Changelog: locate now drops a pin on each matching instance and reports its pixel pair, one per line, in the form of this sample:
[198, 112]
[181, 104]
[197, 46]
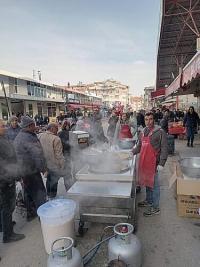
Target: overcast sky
[81, 40]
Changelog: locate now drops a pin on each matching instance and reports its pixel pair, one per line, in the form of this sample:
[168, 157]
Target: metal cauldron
[191, 167]
[126, 143]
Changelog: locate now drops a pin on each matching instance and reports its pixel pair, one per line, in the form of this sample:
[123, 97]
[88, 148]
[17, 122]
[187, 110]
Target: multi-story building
[27, 96]
[112, 92]
[148, 104]
[136, 103]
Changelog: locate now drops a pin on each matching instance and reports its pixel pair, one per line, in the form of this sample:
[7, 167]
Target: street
[167, 240]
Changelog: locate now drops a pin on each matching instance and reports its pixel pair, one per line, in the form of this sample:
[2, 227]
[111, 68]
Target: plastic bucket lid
[57, 210]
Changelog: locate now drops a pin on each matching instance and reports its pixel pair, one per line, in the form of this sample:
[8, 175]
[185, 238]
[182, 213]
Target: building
[147, 102]
[28, 96]
[112, 92]
[136, 103]
[23, 95]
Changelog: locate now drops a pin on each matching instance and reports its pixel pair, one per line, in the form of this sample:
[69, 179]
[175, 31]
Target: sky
[81, 40]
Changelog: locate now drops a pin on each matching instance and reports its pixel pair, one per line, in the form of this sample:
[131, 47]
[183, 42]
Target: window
[28, 88]
[39, 107]
[16, 85]
[32, 89]
[51, 109]
[30, 110]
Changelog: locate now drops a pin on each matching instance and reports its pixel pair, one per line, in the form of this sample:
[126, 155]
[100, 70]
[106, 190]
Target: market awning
[190, 72]
[158, 93]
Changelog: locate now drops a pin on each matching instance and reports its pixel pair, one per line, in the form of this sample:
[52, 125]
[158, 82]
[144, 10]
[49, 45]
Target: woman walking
[191, 122]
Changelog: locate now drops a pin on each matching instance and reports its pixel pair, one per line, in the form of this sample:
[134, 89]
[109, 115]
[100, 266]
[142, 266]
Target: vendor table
[105, 198]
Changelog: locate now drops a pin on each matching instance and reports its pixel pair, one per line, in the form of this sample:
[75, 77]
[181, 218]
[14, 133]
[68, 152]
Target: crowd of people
[29, 154]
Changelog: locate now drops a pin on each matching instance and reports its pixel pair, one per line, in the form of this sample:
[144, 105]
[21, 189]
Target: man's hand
[160, 168]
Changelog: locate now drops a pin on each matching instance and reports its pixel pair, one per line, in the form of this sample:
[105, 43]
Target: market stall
[104, 191]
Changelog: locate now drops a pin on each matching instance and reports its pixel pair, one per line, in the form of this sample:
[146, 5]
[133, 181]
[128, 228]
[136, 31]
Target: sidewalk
[168, 240]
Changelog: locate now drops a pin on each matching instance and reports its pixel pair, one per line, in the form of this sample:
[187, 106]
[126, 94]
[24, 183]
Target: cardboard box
[188, 206]
[188, 194]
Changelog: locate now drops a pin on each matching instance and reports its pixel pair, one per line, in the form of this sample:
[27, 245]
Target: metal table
[105, 198]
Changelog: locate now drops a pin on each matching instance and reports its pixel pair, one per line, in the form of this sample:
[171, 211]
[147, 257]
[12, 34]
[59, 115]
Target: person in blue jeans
[153, 149]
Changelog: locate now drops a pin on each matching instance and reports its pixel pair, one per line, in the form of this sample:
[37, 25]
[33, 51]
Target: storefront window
[51, 109]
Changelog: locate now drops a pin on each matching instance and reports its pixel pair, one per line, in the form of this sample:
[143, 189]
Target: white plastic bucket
[57, 220]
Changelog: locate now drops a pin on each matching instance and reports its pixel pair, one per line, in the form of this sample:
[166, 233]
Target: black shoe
[188, 144]
[14, 237]
[151, 212]
[191, 144]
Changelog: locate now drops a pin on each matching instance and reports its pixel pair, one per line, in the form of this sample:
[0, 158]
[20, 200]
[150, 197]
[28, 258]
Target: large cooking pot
[107, 162]
[191, 167]
[126, 143]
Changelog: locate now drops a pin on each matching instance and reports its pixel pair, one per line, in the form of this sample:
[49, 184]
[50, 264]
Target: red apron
[125, 132]
[147, 163]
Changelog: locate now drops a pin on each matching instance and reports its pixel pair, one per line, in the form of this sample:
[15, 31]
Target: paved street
[168, 240]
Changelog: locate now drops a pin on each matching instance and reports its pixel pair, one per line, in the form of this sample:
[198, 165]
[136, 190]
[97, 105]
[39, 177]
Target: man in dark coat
[8, 174]
[64, 136]
[32, 163]
[191, 122]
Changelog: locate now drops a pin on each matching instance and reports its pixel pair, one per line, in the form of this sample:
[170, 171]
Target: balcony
[35, 98]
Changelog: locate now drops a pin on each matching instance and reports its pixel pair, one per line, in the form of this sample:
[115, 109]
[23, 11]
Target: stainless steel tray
[101, 189]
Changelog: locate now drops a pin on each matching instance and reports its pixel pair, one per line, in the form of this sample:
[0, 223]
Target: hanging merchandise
[125, 246]
[64, 256]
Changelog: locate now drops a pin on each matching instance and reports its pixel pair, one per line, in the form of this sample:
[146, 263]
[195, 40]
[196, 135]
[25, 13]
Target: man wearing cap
[53, 152]
[13, 129]
[32, 163]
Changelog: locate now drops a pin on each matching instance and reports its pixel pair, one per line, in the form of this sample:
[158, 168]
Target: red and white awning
[190, 71]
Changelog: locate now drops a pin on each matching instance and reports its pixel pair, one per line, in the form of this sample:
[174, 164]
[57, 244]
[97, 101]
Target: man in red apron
[152, 147]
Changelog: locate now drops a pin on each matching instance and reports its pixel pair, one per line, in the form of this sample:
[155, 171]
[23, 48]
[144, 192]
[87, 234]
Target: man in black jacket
[8, 174]
[31, 161]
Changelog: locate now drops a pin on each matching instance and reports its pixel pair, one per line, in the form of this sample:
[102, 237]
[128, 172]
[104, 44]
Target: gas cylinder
[125, 246]
[66, 255]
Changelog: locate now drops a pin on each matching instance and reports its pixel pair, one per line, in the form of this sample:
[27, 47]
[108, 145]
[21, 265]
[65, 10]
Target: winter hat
[13, 118]
[26, 121]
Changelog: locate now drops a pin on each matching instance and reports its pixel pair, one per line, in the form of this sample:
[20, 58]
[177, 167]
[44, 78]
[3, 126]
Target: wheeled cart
[105, 200]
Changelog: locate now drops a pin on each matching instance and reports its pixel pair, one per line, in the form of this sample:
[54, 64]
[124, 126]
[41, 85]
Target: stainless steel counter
[85, 175]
